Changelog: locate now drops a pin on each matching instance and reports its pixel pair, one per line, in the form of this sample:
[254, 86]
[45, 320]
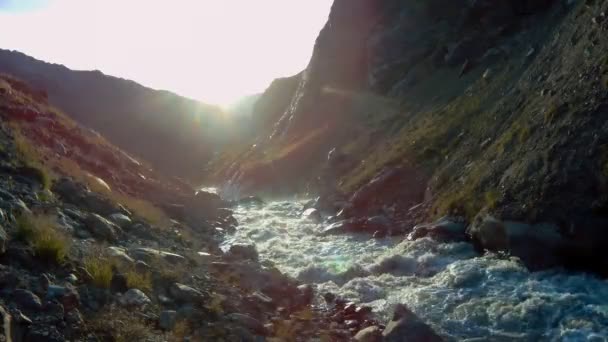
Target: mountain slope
[177, 135]
[466, 108]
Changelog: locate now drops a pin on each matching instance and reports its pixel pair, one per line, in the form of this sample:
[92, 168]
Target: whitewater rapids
[461, 294]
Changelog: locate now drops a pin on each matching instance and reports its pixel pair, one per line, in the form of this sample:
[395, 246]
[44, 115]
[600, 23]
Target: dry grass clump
[137, 280]
[119, 325]
[30, 156]
[45, 238]
[100, 270]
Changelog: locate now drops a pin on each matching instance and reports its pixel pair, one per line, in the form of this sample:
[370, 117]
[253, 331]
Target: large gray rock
[121, 255]
[445, 229]
[134, 298]
[120, 220]
[101, 228]
[538, 246]
[185, 294]
[405, 326]
[149, 254]
[78, 194]
[312, 214]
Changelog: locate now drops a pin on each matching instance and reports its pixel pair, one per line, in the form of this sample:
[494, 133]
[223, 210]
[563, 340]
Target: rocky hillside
[157, 126]
[97, 246]
[482, 110]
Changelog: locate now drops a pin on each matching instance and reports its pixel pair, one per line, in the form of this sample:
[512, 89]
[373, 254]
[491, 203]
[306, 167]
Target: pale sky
[212, 50]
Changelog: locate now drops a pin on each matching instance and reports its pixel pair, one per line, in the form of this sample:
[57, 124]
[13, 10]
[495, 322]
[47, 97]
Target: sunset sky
[212, 50]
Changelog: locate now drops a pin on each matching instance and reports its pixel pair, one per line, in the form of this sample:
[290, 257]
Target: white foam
[461, 294]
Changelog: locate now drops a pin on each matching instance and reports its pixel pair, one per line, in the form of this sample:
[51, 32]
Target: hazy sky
[212, 50]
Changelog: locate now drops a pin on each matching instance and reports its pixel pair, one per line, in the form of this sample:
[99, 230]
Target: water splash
[461, 294]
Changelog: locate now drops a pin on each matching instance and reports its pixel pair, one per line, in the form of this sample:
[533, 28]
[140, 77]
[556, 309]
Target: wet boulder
[406, 326]
[312, 214]
[251, 201]
[538, 246]
[446, 229]
[243, 252]
[379, 225]
[201, 207]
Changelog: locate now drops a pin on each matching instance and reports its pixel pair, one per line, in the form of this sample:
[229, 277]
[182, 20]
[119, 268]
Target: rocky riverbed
[462, 294]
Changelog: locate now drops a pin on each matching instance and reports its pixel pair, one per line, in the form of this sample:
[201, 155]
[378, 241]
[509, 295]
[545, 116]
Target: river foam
[461, 294]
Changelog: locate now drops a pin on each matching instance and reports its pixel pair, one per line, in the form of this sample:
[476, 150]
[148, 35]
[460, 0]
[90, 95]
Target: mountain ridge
[167, 124]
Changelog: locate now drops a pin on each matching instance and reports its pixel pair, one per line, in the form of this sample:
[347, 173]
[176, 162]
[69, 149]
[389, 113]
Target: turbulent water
[461, 294]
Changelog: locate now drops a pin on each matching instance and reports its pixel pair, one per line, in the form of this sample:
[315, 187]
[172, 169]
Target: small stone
[72, 278]
[185, 294]
[167, 319]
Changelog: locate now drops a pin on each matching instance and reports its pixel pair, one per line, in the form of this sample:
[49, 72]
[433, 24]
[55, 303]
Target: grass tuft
[140, 281]
[100, 269]
[42, 233]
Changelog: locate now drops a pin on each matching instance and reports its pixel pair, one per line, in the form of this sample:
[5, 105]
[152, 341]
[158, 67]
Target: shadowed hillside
[177, 135]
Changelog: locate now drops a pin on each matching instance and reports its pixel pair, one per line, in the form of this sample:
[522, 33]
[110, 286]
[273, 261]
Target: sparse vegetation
[491, 199]
[524, 133]
[551, 113]
[140, 207]
[30, 156]
[100, 269]
[119, 325]
[41, 232]
[140, 281]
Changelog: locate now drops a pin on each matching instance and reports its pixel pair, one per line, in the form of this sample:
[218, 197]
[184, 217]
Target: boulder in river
[312, 214]
[243, 252]
[406, 326]
[446, 229]
[538, 246]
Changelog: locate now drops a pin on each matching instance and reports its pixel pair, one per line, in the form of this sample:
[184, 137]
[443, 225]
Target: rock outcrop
[492, 107]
